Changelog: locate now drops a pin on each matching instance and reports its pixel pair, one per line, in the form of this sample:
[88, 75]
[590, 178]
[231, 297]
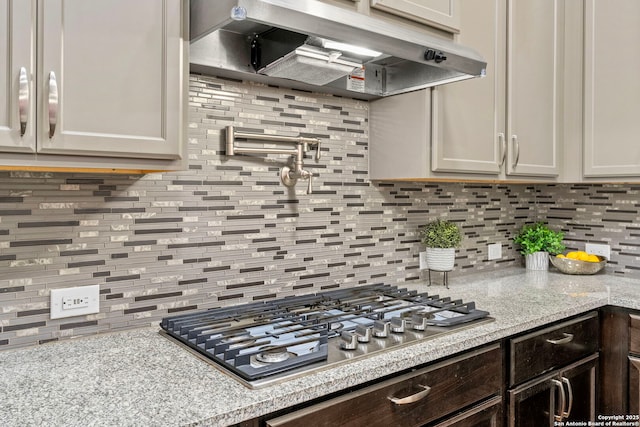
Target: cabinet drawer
[552, 347]
[454, 384]
[634, 333]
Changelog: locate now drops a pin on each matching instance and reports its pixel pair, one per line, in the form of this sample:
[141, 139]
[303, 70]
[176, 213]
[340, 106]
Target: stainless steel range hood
[291, 43]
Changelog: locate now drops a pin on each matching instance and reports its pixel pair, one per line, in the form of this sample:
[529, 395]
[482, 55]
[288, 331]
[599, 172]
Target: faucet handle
[309, 189]
[318, 151]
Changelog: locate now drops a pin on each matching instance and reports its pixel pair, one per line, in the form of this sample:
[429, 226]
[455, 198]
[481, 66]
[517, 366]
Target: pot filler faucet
[288, 175]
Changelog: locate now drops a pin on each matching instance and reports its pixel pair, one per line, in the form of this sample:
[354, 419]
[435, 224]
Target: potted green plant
[536, 242]
[441, 237]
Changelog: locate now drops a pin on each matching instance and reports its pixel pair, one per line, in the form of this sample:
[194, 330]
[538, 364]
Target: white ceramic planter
[537, 261]
[441, 259]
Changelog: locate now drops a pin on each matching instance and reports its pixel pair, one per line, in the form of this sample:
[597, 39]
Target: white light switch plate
[598, 249]
[69, 302]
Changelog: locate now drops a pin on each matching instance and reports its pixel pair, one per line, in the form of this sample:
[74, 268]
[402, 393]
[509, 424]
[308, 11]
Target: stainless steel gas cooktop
[263, 343]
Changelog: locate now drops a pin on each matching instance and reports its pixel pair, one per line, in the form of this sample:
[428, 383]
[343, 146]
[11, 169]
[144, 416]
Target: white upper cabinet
[17, 73]
[444, 14]
[118, 92]
[611, 89]
[535, 50]
[107, 79]
[468, 121]
[505, 126]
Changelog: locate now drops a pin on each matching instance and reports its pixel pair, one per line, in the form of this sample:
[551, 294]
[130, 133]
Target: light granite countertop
[139, 378]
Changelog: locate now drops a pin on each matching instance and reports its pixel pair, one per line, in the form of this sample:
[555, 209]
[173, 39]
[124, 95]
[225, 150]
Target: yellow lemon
[583, 256]
[573, 255]
[592, 258]
[560, 256]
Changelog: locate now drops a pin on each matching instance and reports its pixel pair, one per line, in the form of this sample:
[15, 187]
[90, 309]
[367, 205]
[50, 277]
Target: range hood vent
[316, 46]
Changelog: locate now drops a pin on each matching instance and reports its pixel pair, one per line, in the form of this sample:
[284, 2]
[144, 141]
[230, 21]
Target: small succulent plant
[441, 233]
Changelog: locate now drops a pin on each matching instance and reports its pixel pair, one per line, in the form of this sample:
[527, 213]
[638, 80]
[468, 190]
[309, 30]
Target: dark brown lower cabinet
[567, 394]
[450, 390]
[620, 362]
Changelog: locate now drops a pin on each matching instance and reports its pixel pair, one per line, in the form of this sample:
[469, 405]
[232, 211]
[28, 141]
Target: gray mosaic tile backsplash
[227, 232]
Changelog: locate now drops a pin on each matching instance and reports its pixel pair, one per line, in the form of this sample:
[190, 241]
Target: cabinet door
[534, 85]
[613, 369]
[117, 66]
[532, 405]
[17, 68]
[580, 387]
[469, 117]
[488, 414]
[440, 13]
[611, 89]
[567, 395]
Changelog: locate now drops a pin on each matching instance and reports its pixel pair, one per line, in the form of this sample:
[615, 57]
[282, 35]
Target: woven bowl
[574, 266]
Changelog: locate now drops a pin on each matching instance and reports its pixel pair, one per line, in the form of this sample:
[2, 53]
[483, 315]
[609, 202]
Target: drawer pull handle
[566, 413]
[413, 398]
[567, 338]
[563, 400]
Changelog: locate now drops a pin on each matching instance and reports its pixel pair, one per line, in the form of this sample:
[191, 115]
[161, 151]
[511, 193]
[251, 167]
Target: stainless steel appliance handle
[503, 148]
[563, 401]
[23, 100]
[516, 146]
[53, 104]
[413, 398]
[567, 338]
[566, 413]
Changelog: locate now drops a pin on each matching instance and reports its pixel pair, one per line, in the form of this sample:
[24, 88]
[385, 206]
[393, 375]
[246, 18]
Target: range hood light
[344, 47]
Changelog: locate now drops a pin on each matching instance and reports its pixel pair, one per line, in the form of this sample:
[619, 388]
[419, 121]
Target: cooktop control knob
[419, 323]
[398, 325]
[381, 329]
[363, 333]
[349, 340]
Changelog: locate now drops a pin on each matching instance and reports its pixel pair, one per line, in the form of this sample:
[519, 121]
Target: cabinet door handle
[413, 398]
[566, 413]
[567, 338]
[53, 104]
[516, 147]
[23, 100]
[563, 401]
[503, 148]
